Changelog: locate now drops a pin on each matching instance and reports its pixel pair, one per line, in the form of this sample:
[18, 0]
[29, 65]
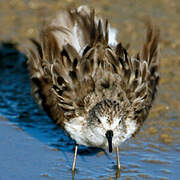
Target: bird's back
[75, 67]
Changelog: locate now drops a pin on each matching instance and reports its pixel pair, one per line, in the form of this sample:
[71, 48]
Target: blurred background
[156, 149]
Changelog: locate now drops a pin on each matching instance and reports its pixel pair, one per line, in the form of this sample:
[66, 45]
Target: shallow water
[155, 152]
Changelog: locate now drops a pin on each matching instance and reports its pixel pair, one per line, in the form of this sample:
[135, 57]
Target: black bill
[109, 135]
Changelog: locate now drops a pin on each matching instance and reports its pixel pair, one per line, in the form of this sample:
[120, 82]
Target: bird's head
[110, 124]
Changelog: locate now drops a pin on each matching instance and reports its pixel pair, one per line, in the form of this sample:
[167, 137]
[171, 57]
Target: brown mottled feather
[68, 83]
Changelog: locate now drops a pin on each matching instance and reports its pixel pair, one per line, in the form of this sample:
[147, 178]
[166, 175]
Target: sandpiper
[88, 84]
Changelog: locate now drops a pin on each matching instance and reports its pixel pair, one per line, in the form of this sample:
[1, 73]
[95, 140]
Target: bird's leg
[118, 161]
[75, 155]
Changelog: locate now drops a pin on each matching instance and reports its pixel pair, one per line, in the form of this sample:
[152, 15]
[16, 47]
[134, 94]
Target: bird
[88, 84]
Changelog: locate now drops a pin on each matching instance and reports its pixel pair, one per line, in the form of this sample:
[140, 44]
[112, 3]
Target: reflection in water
[117, 173]
[73, 175]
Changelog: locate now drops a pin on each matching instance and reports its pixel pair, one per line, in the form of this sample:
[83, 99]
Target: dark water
[141, 158]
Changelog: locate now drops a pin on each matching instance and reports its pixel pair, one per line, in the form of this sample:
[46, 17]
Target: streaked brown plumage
[81, 80]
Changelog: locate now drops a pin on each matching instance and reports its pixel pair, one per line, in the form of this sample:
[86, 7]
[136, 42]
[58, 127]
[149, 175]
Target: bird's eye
[98, 120]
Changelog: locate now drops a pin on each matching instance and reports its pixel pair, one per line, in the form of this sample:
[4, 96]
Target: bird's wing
[74, 68]
[60, 75]
[140, 74]
[131, 81]
[149, 57]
